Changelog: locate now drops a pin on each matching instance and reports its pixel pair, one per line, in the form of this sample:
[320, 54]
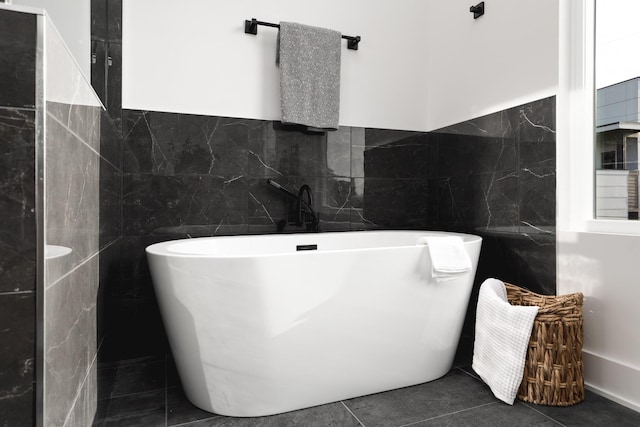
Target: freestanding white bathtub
[258, 326]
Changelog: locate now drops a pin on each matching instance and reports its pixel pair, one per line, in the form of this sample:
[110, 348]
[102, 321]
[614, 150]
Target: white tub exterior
[257, 328]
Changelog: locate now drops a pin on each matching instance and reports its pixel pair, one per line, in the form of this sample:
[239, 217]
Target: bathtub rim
[162, 248]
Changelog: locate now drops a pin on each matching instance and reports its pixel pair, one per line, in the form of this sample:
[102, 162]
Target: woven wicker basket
[553, 368]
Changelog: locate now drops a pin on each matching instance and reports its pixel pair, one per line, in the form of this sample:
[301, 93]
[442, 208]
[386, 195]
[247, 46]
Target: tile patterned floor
[147, 392]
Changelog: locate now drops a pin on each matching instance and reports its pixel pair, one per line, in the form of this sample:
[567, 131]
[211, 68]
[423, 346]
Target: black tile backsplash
[168, 144]
[153, 202]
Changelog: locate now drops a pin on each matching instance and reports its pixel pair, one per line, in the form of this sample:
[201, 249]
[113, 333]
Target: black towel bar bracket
[251, 27]
[477, 10]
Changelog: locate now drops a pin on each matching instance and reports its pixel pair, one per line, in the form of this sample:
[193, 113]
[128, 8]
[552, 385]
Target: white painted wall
[421, 65]
[604, 268]
[505, 58]
[196, 58]
[72, 19]
[596, 257]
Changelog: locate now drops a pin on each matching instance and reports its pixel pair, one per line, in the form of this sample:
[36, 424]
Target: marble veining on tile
[81, 120]
[72, 192]
[175, 144]
[70, 339]
[17, 200]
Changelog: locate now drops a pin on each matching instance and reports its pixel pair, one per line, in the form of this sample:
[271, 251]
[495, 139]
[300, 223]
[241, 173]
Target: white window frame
[575, 124]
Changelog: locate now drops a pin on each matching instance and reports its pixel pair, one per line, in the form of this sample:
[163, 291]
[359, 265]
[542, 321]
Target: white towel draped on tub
[309, 59]
[449, 258]
[502, 338]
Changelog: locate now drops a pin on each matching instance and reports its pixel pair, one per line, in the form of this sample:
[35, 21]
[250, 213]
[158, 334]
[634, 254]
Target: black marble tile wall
[495, 176]
[17, 200]
[17, 358]
[17, 218]
[18, 59]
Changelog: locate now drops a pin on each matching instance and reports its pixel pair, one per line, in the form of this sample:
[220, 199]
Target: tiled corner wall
[188, 176]
[17, 218]
[495, 176]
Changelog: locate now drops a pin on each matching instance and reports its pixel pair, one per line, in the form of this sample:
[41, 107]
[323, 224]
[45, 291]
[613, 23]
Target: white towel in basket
[502, 338]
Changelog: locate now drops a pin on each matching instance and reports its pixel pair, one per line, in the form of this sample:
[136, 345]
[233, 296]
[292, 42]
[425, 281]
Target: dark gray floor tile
[180, 410]
[146, 419]
[496, 414]
[595, 410]
[131, 379]
[454, 392]
[130, 405]
[331, 415]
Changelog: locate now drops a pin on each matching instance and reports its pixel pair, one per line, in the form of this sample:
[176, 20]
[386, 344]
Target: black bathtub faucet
[301, 211]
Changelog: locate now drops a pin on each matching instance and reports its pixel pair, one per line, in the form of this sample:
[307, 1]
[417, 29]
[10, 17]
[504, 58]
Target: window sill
[612, 226]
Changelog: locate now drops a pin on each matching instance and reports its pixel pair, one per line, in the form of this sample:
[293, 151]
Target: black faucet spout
[304, 208]
[301, 212]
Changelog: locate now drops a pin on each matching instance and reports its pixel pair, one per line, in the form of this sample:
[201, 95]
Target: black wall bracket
[477, 10]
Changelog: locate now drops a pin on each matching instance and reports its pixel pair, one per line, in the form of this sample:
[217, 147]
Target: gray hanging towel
[309, 59]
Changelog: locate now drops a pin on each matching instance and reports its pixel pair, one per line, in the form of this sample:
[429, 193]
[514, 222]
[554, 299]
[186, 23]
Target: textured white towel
[502, 338]
[309, 59]
[449, 258]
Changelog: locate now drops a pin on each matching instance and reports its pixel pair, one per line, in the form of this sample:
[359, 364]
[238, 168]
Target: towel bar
[251, 27]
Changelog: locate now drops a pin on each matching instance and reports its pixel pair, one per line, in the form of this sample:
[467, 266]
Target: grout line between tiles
[190, 423]
[448, 414]
[524, 403]
[352, 414]
[469, 373]
[542, 413]
[132, 394]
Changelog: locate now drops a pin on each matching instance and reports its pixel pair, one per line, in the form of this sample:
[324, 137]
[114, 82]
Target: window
[617, 117]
